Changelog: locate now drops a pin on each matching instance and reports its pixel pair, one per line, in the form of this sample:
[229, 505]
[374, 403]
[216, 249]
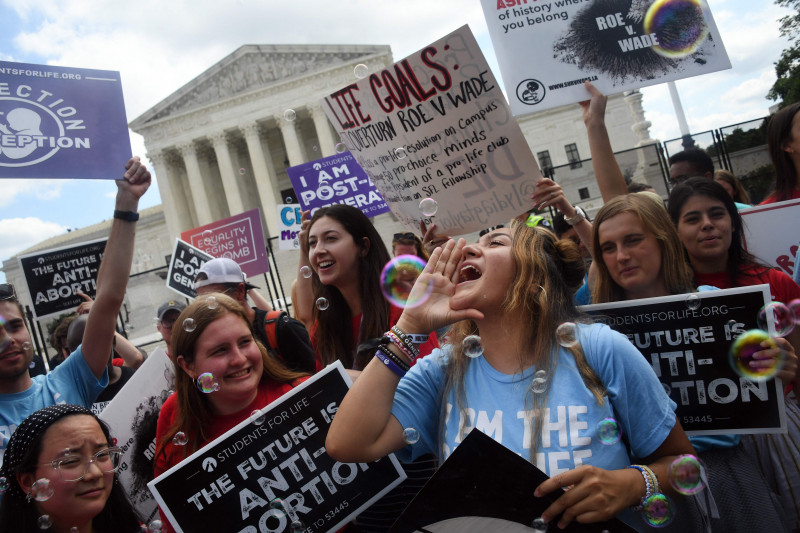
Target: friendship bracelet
[401, 335]
[389, 363]
[648, 483]
[656, 487]
[394, 357]
[400, 345]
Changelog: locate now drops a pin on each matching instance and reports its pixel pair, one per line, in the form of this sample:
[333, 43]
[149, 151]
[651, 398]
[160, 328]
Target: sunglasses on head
[7, 292]
[406, 235]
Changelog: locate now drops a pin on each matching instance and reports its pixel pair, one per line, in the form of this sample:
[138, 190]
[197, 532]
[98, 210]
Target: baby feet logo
[35, 126]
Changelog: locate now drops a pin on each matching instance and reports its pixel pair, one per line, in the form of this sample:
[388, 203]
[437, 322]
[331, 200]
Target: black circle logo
[530, 91]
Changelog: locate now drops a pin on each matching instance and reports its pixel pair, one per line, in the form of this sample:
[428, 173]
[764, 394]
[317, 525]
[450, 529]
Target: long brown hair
[557, 269]
[194, 413]
[779, 132]
[676, 271]
[739, 192]
[333, 334]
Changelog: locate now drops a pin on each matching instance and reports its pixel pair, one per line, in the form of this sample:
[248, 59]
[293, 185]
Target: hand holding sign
[767, 359]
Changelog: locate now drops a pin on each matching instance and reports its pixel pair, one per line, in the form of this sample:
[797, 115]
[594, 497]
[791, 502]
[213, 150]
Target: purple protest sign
[239, 237]
[337, 179]
[61, 122]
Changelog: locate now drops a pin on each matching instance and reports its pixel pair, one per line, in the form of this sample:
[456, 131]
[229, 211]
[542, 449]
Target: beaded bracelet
[400, 345]
[648, 482]
[394, 357]
[401, 335]
[389, 363]
[656, 487]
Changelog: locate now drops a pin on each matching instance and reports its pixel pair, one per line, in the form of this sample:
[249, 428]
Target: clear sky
[160, 45]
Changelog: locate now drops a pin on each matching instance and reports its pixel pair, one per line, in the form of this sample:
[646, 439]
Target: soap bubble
[678, 25]
[539, 385]
[242, 171]
[741, 354]
[794, 307]
[306, 271]
[257, 417]
[428, 207]
[323, 304]
[26, 346]
[288, 200]
[211, 302]
[207, 383]
[410, 436]
[782, 317]
[297, 526]
[154, 526]
[540, 374]
[686, 475]
[608, 430]
[398, 277]
[400, 153]
[189, 325]
[314, 148]
[73, 529]
[693, 302]
[180, 439]
[207, 233]
[32, 364]
[360, 71]
[472, 346]
[44, 522]
[42, 490]
[289, 115]
[3, 485]
[567, 334]
[276, 504]
[657, 510]
[340, 148]
[539, 525]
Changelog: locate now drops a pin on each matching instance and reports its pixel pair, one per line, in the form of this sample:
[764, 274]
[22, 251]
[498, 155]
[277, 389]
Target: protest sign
[686, 338]
[132, 417]
[337, 179]
[240, 237]
[763, 238]
[484, 486]
[618, 45]
[55, 276]
[61, 122]
[437, 138]
[289, 216]
[278, 453]
[183, 267]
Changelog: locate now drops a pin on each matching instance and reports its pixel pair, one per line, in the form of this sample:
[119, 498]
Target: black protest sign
[232, 484]
[54, 277]
[184, 265]
[484, 486]
[686, 338]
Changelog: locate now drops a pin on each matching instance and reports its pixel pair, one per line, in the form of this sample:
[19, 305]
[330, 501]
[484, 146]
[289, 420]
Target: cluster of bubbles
[189, 325]
[323, 303]
[608, 431]
[687, 475]
[657, 510]
[472, 346]
[257, 417]
[539, 383]
[398, 277]
[42, 490]
[180, 439]
[360, 71]
[211, 302]
[207, 383]
[44, 522]
[410, 435]
[428, 207]
[539, 525]
[289, 115]
[567, 335]
[306, 271]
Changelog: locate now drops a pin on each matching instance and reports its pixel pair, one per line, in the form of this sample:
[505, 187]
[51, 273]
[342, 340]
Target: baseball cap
[220, 270]
[172, 305]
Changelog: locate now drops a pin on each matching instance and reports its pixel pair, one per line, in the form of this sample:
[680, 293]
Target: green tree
[787, 68]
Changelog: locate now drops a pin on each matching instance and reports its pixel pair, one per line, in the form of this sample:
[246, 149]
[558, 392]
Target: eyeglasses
[7, 292]
[72, 467]
[406, 235]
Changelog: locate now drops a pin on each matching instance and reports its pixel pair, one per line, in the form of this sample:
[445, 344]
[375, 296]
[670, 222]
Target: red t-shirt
[268, 392]
[773, 198]
[394, 316]
[783, 288]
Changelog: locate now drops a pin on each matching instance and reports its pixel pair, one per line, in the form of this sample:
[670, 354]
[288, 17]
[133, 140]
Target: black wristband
[130, 216]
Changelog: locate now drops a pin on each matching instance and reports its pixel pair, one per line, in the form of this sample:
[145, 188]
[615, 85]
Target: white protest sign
[547, 48]
[132, 417]
[772, 233]
[435, 127]
[289, 226]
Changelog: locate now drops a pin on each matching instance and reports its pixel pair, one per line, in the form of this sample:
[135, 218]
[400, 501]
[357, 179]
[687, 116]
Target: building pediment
[253, 67]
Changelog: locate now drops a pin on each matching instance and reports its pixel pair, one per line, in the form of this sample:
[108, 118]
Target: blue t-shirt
[496, 404]
[583, 296]
[70, 382]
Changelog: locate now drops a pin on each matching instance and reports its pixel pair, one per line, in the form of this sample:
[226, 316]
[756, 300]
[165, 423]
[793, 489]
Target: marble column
[226, 171]
[198, 190]
[174, 210]
[327, 142]
[293, 149]
[265, 181]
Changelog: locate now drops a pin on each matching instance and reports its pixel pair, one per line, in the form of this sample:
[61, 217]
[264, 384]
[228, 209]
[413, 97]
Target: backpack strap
[271, 328]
